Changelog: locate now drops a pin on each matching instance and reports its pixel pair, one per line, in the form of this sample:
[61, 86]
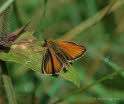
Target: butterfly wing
[57, 64]
[47, 63]
[71, 50]
[51, 63]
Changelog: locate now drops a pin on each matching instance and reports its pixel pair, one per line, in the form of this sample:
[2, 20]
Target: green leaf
[25, 53]
[28, 51]
[71, 75]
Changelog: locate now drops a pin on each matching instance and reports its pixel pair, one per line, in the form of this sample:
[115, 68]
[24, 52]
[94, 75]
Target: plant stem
[7, 83]
[88, 86]
[92, 20]
[4, 10]
[17, 14]
[5, 6]
[5, 23]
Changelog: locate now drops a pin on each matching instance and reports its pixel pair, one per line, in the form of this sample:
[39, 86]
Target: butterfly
[59, 54]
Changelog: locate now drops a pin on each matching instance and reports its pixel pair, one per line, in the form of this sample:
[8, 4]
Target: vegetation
[96, 78]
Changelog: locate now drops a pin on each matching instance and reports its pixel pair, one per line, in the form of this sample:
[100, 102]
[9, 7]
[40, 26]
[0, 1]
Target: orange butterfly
[59, 54]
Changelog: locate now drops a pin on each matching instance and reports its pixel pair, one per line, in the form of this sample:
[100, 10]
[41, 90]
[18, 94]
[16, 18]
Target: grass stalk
[92, 20]
[88, 86]
[5, 6]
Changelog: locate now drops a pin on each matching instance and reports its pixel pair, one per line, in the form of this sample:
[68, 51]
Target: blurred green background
[104, 41]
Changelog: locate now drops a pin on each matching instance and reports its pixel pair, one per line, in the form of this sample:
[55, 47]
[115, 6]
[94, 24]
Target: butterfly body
[59, 54]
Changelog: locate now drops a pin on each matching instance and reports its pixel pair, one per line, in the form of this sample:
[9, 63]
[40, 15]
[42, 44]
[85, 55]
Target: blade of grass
[110, 63]
[5, 6]
[43, 13]
[118, 69]
[98, 89]
[37, 19]
[88, 86]
[17, 14]
[44, 8]
[92, 20]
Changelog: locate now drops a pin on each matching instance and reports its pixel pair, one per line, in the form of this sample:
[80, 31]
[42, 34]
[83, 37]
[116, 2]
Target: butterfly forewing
[51, 63]
[47, 63]
[57, 64]
[71, 50]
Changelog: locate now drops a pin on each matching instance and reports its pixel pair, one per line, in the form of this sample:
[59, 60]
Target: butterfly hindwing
[71, 50]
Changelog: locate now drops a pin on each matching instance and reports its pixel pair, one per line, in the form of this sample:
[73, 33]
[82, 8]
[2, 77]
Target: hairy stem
[5, 9]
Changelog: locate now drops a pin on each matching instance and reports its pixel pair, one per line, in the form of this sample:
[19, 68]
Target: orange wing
[47, 63]
[57, 64]
[71, 50]
[51, 64]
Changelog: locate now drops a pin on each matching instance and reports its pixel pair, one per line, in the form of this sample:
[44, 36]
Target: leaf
[24, 52]
[28, 51]
[71, 75]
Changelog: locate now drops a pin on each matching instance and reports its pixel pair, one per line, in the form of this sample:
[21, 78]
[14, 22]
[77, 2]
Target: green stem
[43, 13]
[88, 86]
[44, 8]
[8, 84]
[16, 12]
[4, 10]
[92, 20]
[113, 65]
